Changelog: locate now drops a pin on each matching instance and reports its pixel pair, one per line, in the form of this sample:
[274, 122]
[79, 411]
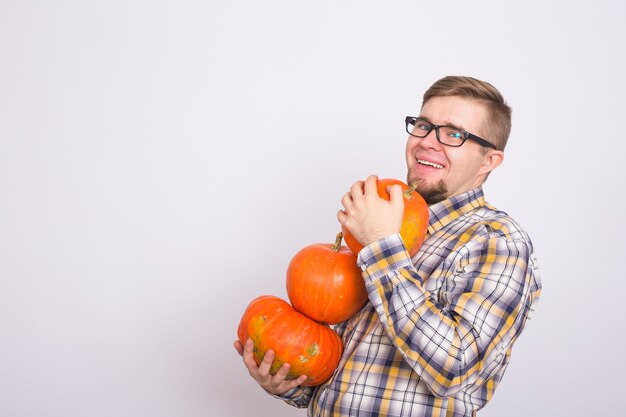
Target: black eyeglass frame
[411, 120]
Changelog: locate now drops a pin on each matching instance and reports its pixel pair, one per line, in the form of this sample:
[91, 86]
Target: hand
[367, 216]
[274, 384]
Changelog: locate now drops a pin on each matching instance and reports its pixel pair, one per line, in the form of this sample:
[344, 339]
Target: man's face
[443, 171]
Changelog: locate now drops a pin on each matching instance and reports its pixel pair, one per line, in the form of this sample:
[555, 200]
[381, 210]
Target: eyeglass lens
[446, 134]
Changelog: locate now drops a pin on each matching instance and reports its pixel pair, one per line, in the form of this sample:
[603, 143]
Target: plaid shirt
[436, 336]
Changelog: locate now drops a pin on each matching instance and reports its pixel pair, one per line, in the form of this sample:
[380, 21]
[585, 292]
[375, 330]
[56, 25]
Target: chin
[431, 192]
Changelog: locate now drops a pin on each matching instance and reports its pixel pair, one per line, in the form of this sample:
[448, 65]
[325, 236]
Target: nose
[429, 141]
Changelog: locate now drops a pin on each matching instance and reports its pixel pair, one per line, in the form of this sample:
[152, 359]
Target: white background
[162, 161]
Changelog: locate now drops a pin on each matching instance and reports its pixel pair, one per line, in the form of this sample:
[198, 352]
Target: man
[436, 335]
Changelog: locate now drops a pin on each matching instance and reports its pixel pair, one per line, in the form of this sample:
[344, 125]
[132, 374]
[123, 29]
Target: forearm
[433, 344]
[447, 342]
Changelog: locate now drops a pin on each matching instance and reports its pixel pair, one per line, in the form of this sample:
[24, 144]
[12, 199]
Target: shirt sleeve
[461, 335]
[299, 397]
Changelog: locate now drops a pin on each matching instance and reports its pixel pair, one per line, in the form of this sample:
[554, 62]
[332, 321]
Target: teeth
[432, 164]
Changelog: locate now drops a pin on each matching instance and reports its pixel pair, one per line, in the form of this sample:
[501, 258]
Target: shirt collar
[442, 213]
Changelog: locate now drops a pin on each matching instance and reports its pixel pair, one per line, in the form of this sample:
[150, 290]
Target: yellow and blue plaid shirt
[436, 336]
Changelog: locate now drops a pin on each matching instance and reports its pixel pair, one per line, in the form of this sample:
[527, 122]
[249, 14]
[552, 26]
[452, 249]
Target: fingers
[294, 382]
[356, 191]
[248, 358]
[299, 381]
[283, 371]
[353, 200]
[238, 347]
[346, 202]
[369, 216]
[342, 217]
[395, 194]
[396, 200]
[371, 185]
[266, 363]
[277, 383]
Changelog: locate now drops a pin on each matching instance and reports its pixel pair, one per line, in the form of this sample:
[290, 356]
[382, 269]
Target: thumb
[396, 196]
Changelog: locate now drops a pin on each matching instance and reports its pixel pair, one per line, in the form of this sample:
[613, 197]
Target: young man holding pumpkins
[436, 335]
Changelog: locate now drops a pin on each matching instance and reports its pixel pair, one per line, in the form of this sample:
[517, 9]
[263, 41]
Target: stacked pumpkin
[325, 287]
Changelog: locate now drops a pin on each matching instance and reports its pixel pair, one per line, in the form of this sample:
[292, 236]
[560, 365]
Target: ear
[491, 160]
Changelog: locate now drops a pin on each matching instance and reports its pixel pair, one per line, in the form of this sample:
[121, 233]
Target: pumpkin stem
[409, 191]
[338, 242]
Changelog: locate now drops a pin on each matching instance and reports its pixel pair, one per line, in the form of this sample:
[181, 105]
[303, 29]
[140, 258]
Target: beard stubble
[432, 193]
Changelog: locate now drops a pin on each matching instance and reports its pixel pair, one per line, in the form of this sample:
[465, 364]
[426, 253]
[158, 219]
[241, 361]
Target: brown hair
[499, 120]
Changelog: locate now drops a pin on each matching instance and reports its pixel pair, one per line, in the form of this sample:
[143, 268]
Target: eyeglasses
[447, 135]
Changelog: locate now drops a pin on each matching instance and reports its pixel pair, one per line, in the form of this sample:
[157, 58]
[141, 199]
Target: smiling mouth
[429, 163]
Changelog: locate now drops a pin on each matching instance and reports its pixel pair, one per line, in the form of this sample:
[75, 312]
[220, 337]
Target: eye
[451, 135]
[452, 132]
[422, 125]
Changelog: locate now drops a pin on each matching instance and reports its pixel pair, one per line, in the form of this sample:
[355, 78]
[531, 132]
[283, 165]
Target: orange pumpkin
[325, 283]
[310, 348]
[414, 220]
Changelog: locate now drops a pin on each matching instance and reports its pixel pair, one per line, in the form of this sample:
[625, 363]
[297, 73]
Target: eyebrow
[445, 124]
